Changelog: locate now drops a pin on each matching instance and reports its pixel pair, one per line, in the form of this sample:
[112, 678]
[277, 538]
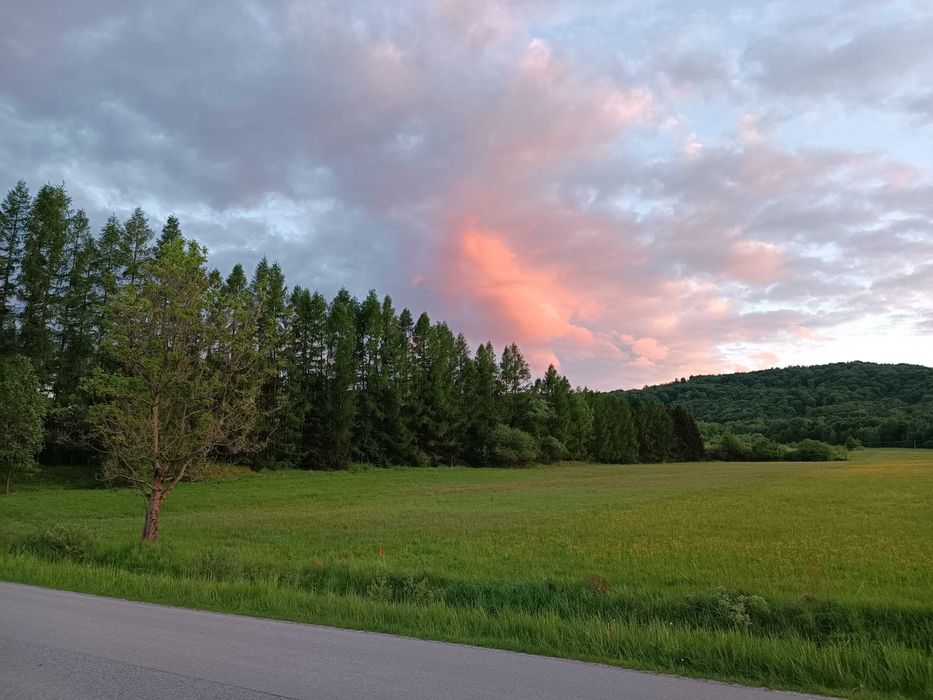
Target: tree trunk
[9, 480]
[151, 527]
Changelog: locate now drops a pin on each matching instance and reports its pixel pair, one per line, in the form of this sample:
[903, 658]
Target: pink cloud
[528, 302]
[646, 348]
[756, 261]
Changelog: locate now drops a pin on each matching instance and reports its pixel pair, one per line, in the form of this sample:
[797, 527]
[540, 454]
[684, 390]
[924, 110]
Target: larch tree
[77, 309]
[171, 231]
[14, 211]
[135, 246]
[368, 417]
[269, 290]
[185, 380]
[395, 433]
[41, 277]
[484, 405]
[515, 375]
[337, 426]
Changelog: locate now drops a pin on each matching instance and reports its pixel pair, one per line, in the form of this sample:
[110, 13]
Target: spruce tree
[688, 445]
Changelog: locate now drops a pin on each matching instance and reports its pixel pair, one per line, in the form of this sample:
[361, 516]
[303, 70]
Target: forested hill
[877, 404]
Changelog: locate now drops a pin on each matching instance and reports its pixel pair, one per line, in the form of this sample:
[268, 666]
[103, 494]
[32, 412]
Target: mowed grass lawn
[814, 576]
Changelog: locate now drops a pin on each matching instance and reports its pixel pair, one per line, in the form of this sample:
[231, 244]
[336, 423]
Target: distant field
[814, 576]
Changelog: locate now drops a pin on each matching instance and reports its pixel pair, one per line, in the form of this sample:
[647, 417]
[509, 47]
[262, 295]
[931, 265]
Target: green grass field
[816, 577]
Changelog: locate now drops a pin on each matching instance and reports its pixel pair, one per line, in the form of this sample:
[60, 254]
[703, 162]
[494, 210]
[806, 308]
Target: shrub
[512, 447]
[725, 609]
[814, 451]
[55, 543]
[746, 448]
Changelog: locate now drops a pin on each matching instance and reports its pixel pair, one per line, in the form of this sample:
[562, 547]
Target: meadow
[807, 576]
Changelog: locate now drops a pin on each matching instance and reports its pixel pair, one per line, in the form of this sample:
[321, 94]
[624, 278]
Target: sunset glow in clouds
[634, 191]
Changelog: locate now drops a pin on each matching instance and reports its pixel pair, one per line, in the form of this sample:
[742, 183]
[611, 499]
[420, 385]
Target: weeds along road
[58, 644]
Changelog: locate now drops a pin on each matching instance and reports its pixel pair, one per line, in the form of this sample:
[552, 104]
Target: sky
[635, 191]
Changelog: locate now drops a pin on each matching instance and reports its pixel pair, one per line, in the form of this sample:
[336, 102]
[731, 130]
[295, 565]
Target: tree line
[844, 403]
[117, 321]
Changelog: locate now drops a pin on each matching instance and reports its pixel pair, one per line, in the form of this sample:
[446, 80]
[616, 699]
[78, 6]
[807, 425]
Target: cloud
[633, 191]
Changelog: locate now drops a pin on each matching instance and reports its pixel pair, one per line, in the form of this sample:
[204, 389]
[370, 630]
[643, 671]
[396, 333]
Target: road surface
[58, 644]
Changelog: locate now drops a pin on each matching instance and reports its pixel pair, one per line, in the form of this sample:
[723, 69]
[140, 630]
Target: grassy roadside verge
[866, 670]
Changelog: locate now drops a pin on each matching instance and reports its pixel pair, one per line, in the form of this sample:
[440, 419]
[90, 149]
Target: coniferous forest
[114, 324]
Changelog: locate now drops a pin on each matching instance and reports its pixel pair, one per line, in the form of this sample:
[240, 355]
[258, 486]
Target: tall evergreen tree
[110, 262]
[613, 439]
[135, 246]
[688, 445]
[515, 375]
[298, 376]
[368, 415]
[313, 320]
[14, 213]
[395, 433]
[484, 405]
[171, 231]
[42, 276]
[655, 431]
[78, 310]
[331, 441]
[268, 287]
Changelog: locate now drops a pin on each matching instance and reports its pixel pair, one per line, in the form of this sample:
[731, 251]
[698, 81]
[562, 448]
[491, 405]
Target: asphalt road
[57, 644]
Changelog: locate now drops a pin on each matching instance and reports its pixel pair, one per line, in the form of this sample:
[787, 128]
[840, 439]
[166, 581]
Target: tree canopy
[874, 404]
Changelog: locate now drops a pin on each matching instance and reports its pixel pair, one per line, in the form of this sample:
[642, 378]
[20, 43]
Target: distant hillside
[883, 405]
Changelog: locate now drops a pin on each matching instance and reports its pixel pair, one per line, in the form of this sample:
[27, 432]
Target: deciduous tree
[22, 409]
[186, 376]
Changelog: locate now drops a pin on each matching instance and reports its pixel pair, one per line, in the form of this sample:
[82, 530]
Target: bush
[814, 451]
[746, 448]
[724, 609]
[852, 443]
[54, 544]
[512, 447]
